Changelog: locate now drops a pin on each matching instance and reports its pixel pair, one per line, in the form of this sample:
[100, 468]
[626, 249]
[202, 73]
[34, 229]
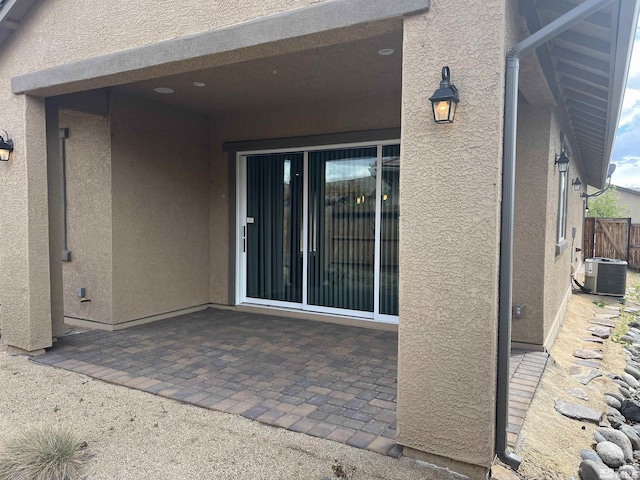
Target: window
[562, 213]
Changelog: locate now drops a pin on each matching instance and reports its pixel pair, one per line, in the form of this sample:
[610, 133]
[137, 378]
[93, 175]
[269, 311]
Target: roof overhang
[11, 14]
[586, 68]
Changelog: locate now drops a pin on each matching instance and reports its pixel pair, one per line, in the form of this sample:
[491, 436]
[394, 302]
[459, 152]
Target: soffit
[11, 14]
[334, 73]
[586, 68]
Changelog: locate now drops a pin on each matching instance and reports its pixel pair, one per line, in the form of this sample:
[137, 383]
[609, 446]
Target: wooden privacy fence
[612, 238]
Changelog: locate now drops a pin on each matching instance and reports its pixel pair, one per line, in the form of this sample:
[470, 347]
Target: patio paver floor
[325, 380]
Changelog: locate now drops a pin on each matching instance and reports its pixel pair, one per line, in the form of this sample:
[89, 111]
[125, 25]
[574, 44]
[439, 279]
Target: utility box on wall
[606, 276]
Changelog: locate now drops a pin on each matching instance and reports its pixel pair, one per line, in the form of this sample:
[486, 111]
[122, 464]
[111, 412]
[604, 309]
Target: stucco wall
[449, 232]
[60, 32]
[24, 264]
[309, 118]
[160, 187]
[541, 276]
[530, 223]
[557, 281]
[88, 173]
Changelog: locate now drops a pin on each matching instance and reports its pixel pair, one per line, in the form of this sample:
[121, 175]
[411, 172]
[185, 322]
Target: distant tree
[608, 205]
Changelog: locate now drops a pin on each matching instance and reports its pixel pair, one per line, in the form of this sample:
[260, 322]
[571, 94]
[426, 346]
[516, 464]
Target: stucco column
[56, 225]
[25, 292]
[450, 184]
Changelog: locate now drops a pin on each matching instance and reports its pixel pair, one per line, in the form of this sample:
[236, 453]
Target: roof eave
[627, 20]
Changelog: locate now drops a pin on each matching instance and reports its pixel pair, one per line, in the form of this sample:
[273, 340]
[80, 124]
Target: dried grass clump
[43, 453]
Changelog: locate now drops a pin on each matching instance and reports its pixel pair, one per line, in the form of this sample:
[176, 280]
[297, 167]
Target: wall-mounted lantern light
[562, 161]
[577, 184]
[6, 147]
[445, 99]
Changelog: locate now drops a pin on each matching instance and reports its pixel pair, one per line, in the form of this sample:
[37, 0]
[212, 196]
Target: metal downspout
[528, 45]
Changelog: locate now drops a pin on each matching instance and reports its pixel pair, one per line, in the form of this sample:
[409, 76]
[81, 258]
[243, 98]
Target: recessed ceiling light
[163, 90]
[199, 84]
[385, 52]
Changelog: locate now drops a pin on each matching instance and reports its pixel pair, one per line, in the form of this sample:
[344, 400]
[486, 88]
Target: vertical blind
[390, 217]
[342, 189]
[341, 235]
[274, 202]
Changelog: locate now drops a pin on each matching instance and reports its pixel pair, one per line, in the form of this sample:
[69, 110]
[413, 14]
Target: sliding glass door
[274, 227]
[342, 217]
[319, 230]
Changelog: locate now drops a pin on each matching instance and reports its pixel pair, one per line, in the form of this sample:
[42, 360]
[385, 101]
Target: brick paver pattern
[325, 380]
[525, 370]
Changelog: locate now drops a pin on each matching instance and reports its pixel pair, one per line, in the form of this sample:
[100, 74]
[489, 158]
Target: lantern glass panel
[441, 111]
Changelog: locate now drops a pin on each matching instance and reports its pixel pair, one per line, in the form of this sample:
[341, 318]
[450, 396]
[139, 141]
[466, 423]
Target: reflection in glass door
[342, 212]
[319, 230]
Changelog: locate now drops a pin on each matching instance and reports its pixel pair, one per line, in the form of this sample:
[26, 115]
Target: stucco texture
[557, 281]
[541, 274]
[530, 222]
[63, 31]
[450, 188]
[88, 175]
[24, 261]
[160, 188]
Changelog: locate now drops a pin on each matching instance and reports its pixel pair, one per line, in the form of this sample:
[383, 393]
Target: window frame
[563, 200]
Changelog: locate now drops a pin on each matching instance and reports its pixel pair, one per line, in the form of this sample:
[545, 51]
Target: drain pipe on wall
[528, 45]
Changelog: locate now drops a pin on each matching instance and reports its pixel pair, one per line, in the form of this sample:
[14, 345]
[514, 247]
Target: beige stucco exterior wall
[24, 263]
[88, 174]
[542, 276]
[160, 188]
[530, 223]
[557, 281]
[64, 35]
[312, 118]
[632, 201]
[450, 182]
[59, 32]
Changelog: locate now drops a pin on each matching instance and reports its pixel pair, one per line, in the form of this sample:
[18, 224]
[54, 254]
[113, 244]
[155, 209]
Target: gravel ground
[136, 435]
[549, 443]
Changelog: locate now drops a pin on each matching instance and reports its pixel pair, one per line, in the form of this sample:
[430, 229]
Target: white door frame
[241, 234]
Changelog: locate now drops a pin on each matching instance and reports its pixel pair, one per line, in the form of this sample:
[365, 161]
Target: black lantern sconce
[577, 184]
[6, 147]
[562, 161]
[445, 99]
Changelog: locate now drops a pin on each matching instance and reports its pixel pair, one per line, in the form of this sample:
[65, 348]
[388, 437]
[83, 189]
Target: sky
[626, 152]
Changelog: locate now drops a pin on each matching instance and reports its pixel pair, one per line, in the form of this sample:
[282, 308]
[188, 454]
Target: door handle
[244, 239]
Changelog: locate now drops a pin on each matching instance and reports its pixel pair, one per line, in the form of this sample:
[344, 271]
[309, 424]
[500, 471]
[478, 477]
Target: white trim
[241, 215]
[241, 256]
[378, 234]
[305, 229]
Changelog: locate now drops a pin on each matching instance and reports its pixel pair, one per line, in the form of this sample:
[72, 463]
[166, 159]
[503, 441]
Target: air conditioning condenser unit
[605, 276]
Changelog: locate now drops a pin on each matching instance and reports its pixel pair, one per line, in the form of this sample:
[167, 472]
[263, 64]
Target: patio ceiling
[346, 70]
[586, 69]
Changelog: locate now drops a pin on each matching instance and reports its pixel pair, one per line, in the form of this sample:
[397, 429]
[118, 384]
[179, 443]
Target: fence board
[612, 238]
[587, 237]
[634, 246]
